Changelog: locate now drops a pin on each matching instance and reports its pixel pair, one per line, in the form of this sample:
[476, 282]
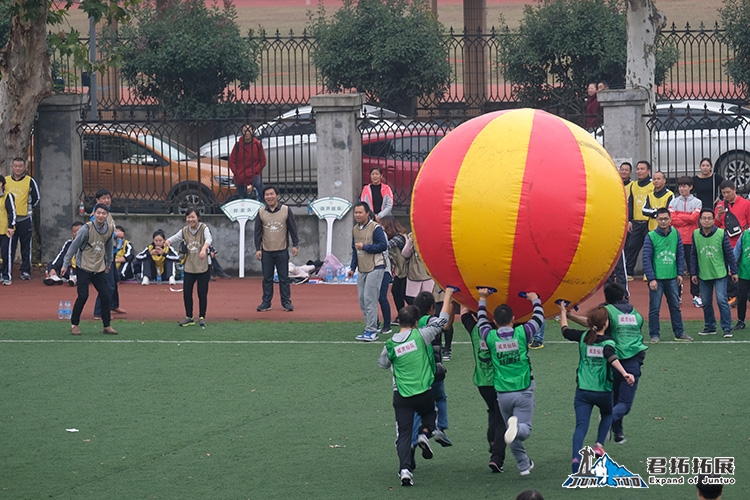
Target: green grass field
[283, 410]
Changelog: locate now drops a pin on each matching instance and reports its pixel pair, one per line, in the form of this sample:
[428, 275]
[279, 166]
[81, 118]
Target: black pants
[148, 268]
[495, 424]
[695, 289]
[743, 287]
[398, 290]
[5, 253]
[99, 280]
[634, 243]
[187, 292]
[424, 405]
[24, 232]
[280, 260]
[114, 294]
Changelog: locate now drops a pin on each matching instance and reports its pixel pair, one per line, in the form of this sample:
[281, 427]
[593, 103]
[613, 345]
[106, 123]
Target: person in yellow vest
[197, 238]
[661, 197]
[411, 358]
[26, 194]
[92, 249]
[274, 227]
[7, 229]
[369, 244]
[637, 221]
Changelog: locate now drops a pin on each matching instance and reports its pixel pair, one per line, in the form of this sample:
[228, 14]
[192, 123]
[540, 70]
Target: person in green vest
[409, 355]
[484, 375]
[711, 255]
[663, 265]
[513, 379]
[92, 250]
[597, 357]
[742, 256]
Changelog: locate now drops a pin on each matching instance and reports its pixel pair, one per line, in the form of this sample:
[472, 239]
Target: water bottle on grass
[68, 310]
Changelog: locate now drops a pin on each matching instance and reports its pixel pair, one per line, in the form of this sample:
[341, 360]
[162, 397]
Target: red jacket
[247, 161]
[741, 209]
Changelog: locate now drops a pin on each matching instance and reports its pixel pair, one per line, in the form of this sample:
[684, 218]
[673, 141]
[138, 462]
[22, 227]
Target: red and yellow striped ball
[519, 200]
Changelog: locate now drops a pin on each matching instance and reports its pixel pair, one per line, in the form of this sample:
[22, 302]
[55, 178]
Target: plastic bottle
[309, 207]
[81, 208]
[68, 310]
[158, 279]
[61, 310]
[341, 275]
[329, 275]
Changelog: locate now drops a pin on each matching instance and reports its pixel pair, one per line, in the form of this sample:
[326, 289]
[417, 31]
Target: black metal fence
[289, 78]
[682, 136]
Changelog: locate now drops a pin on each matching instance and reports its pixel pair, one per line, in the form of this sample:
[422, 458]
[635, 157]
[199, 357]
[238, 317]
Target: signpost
[330, 209]
[241, 211]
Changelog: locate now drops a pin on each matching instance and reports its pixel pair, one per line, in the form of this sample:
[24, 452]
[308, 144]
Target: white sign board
[241, 211]
[330, 209]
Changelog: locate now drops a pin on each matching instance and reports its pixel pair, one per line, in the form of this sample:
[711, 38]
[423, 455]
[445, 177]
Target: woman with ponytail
[593, 377]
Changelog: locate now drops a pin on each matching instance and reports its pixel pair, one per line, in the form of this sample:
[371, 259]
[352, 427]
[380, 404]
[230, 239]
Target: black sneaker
[440, 438]
[188, 322]
[494, 467]
[25, 276]
[707, 331]
[288, 308]
[264, 307]
[536, 345]
[619, 437]
[202, 322]
[446, 354]
[740, 325]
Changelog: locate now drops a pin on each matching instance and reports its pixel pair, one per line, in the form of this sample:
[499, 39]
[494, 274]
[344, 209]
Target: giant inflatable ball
[519, 200]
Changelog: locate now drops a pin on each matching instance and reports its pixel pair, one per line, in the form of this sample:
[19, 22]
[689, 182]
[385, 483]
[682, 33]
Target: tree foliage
[186, 55]
[392, 50]
[4, 21]
[735, 19]
[563, 45]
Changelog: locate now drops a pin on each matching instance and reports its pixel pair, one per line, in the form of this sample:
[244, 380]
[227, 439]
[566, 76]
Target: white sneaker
[172, 281]
[145, 281]
[424, 443]
[512, 432]
[527, 471]
[407, 478]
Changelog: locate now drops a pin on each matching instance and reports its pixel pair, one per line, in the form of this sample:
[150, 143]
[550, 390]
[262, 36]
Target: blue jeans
[441, 404]
[257, 183]
[385, 306]
[584, 403]
[671, 290]
[539, 335]
[624, 394]
[707, 293]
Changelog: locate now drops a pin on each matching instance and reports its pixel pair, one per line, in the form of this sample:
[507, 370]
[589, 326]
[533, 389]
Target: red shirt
[247, 161]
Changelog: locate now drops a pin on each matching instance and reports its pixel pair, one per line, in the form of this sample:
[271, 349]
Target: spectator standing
[104, 197]
[664, 265]
[377, 194]
[396, 235]
[274, 227]
[711, 255]
[593, 108]
[54, 275]
[738, 206]
[706, 184]
[7, 229]
[685, 210]
[637, 220]
[368, 246]
[661, 197]
[625, 171]
[25, 193]
[197, 238]
[92, 249]
[513, 378]
[247, 161]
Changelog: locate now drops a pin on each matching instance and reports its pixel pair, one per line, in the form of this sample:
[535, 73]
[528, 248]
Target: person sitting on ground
[53, 276]
[124, 256]
[158, 259]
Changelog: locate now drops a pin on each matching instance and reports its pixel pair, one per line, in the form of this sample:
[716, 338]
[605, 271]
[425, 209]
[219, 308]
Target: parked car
[147, 171]
[290, 143]
[683, 132]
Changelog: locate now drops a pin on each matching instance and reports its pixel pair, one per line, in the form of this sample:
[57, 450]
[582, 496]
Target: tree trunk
[643, 24]
[26, 81]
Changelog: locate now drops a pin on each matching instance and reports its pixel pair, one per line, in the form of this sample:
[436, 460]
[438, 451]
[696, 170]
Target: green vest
[510, 358]
[422, 322]
[484, 372]
[711, 264]
[665, 254]
[594, 374]
[626, 332]
[743, 264]
[413, 364]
